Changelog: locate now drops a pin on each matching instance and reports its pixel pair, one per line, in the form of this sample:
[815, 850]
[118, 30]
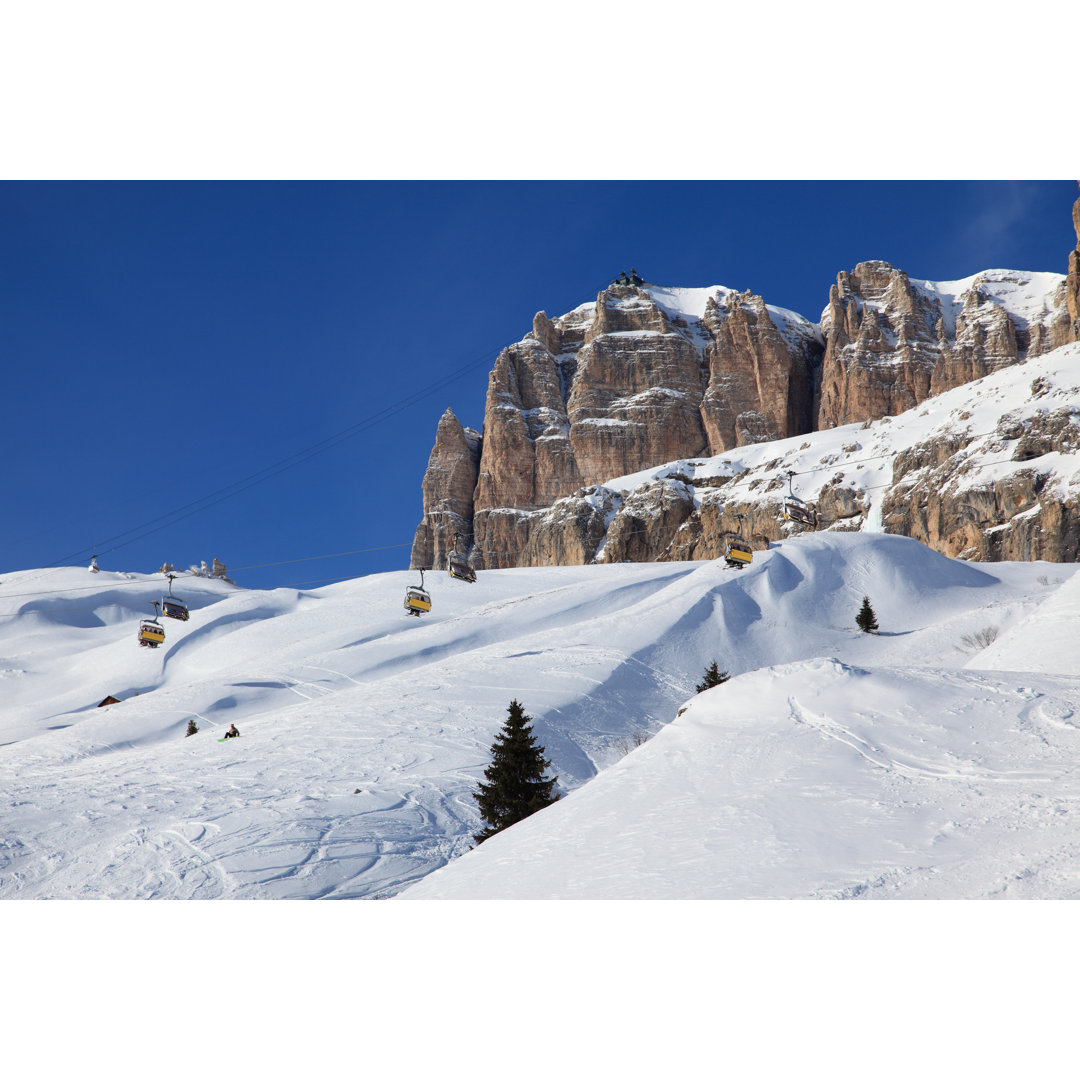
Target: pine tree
[192, 727]
[713, 677]
[866, 620]
[515, 785]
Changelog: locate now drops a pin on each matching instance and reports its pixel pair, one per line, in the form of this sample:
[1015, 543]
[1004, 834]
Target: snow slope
[364, 732]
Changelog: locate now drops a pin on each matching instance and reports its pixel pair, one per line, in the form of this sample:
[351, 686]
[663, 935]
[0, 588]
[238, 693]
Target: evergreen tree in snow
[866, 620]
[192, 727]
[515, 785]
[713, 677]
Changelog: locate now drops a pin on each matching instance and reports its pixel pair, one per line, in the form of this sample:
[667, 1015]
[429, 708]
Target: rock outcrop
[1072, 281]
[940, 498]
[761, 381]
[634, 400]
[448, 487]
[609, 389]
[892, 342]
[1002, 496]
[883, 340]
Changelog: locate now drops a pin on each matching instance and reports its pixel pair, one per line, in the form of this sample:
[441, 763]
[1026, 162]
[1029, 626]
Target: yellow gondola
[151, 633]
[417, 600]
[738, 553]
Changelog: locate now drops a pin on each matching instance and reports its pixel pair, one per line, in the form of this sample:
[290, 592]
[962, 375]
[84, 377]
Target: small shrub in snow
[631, 742]
[192, 728]
[979, 640]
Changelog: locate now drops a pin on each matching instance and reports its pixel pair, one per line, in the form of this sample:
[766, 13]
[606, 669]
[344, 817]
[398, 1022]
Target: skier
[232, 733]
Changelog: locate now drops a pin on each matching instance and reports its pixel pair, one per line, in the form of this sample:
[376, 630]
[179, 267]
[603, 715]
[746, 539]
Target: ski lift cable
[267, 473]
[312, 558]
[328, 443]
[270, 471]
[187, 586]
[359, 551]
[433, 389]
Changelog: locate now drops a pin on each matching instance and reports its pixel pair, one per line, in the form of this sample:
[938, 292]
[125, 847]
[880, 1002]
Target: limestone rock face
[704, 534]
[985, 341]
[624, 384]
[1072, 282]
[883, 340]
[939, 496]
[892, 342]
[951, 508]
[647, 520]
[527, 461]
[636, 390]
[761, 382]
[501, 538]
[570, 532]
[448, 486]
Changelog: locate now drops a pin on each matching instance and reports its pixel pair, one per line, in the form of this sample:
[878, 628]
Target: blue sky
[166, 343]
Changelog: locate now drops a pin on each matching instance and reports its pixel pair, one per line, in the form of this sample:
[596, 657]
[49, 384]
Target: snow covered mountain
[648, 375]
[834, 763]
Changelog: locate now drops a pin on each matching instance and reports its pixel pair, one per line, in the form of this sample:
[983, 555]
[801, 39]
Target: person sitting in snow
[232, 733]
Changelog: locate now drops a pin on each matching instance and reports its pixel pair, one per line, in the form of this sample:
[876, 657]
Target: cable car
[151, 632]
[738, 552]
[417, 600]
[796, 510]
[800, 512]
[459, 568]
[173, 606]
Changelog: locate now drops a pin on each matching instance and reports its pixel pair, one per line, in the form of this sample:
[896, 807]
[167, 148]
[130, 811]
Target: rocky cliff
[448, 487]
[641, 376]
[1072, 281]
[646, 375]
[988, 471]
[893, 342]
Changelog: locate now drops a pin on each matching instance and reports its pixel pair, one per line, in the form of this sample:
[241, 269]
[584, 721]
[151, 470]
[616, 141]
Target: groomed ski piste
[938, 758]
